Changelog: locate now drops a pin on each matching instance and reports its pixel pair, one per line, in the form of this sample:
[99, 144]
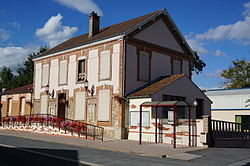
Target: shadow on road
[34, 156]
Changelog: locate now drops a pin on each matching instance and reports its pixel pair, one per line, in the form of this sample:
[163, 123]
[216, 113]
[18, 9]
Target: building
[230, 104]
[96, 77]
[16, 102]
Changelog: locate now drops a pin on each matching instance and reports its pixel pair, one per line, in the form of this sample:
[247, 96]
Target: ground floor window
[242, 119]
[135, 118]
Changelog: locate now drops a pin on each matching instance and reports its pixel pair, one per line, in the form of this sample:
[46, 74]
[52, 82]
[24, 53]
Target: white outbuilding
[230, 104]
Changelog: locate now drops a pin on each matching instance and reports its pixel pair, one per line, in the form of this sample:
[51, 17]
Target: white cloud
[54, 32]
[12, 56]
[83, 6]
[4, 35]
[219, 53]
[238, 31]
[197, 46]
[247, 11]
[215, 73]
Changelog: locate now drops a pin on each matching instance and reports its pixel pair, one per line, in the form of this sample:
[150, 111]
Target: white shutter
[22, 106]
[80, 106]
[45, 76]
[176, 67]
[144, 66]
[44, 104]
[145, 118]
[105, 65]
[135, 118]
[103, 105]
[10, 107]
[63, 72]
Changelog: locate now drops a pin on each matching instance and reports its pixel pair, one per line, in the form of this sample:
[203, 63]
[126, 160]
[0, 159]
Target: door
[61, 105]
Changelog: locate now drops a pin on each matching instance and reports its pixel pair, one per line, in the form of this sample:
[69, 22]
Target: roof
[155, 85]
[107, 32]
[223, 92]
[165, 103]
[122, 28]
[22, 89]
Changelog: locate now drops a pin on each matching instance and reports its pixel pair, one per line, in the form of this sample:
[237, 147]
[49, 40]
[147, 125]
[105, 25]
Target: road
[21, 151]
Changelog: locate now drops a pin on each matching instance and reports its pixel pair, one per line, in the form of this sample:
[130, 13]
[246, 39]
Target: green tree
[7, 79]
[237, 75]
[197, 64]
[248, 101]
[26, 71]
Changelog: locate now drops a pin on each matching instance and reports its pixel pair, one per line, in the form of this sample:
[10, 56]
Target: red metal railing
[73, 126]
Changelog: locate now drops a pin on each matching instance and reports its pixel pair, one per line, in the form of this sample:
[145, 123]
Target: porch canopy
[173, 105]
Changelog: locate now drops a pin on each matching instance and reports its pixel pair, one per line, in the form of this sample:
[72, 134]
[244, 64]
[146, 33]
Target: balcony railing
[68, 125]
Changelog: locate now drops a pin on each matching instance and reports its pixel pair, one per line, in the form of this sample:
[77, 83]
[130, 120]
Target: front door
[61, 105]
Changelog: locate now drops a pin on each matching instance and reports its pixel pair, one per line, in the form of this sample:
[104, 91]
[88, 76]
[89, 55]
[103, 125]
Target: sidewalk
[127, 146]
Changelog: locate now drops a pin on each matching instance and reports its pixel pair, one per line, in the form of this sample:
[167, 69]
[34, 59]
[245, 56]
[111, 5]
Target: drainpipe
[124, 68]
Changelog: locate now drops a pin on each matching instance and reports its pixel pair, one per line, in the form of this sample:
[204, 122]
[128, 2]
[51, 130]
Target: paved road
[20, 151]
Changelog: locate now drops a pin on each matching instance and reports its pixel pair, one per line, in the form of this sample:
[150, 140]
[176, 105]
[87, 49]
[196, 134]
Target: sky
[218, 30]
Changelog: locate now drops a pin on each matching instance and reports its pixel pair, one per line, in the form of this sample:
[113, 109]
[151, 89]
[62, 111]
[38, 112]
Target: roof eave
[103, 40]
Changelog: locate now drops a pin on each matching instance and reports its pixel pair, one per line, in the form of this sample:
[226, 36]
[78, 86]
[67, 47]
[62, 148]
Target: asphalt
[16, 150]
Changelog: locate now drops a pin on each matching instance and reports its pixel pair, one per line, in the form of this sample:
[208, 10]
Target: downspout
[124, 68]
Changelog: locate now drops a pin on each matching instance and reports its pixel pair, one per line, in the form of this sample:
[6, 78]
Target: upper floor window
[63, 73]
[105, 65]
[144, 66]
[45, 75]
[81, 70]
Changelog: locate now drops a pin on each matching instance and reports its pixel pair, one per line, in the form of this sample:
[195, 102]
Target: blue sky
[218, 30]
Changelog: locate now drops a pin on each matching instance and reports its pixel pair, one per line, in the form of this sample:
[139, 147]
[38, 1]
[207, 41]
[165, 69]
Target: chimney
[94, 24]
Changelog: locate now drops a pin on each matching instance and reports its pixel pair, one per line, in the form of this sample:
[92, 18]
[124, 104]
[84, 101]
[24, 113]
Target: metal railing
[73, 126]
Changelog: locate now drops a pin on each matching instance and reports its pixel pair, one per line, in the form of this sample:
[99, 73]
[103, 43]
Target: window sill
[106, 79]
[62, 84]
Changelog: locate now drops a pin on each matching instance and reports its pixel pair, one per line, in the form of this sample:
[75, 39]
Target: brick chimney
[94, 24]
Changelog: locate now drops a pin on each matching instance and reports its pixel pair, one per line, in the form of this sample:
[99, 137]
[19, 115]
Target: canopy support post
[174, 127]
[140, 135]
[156, 125]
[189, 126]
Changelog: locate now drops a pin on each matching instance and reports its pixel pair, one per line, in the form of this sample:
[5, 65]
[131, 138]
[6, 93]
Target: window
[81, 70]
[199, 109]
[9, 106]
[144, 66]
[45, 75]
[22, 100]
[104, 105]
[80, 106]
[63, 73]
[44, 104]
[242, 119]
[105, 65]
[176, 67]
[162, 112]
[135, 118]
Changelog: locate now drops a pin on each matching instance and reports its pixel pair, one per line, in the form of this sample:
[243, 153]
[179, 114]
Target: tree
[26, 71]
[237, 75]
[197, 64]
[248, 101]
[7, 79]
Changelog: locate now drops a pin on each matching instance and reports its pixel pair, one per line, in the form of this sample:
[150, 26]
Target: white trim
[81, 58]
[80, 47]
